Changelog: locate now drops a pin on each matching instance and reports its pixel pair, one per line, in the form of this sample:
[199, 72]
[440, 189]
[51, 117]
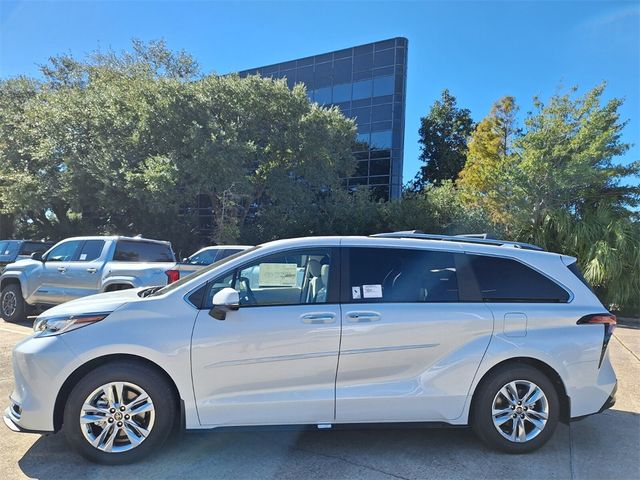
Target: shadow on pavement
[365, 453]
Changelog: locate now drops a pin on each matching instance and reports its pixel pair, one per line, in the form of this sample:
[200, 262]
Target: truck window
[138, 251]
[64, 252]
[91, 250]
[31, 247]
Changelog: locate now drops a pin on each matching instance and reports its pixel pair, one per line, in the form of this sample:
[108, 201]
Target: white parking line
[14, 331]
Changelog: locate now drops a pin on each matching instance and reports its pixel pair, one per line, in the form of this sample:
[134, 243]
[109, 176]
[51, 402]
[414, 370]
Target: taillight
[609, 321]
[172, 276]
[599, 319]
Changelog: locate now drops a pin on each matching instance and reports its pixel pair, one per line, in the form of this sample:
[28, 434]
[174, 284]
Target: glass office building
[367, 83]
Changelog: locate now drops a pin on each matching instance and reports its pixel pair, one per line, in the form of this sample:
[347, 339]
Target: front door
[274, 360]
[410, 347]
[51, 284]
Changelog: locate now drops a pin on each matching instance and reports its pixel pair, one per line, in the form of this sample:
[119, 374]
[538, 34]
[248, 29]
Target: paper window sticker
[83, 256]
[372, 291]
[355, 293]
[277, 275]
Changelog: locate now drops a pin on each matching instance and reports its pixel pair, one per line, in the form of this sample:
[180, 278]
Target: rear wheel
[516, 410]
[12, 306]
[119, 413]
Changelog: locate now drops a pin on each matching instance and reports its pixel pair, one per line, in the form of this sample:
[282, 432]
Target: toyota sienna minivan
[402, 327]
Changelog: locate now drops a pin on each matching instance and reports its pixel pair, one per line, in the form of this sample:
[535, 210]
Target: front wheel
[13, 308]
[119, 413]
[516, 410]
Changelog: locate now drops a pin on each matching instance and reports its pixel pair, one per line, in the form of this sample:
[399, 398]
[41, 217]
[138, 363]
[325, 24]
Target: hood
[102, 302]
[24, 264]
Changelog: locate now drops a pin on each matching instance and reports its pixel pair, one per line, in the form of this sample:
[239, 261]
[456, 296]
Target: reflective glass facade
[368, 83]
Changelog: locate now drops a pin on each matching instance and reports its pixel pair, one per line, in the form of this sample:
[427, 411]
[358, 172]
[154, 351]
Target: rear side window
[133, 251]
[227, 252]
[503, 280]
[91, 250]
[379, 275]
[31, 247]
[8, 248]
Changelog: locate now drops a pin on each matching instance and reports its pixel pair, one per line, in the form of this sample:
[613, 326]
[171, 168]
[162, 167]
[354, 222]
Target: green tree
[489, 176]
[557, 184]
[444, 133]
[126, 143]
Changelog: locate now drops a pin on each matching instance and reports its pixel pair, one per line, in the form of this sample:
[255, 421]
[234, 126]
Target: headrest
[314, 267]
[324, 274]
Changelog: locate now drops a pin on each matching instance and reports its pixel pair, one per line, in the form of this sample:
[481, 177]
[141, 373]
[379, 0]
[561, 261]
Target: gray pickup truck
[81, 266]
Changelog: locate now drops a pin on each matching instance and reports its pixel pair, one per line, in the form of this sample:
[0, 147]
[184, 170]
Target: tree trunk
[7, 226]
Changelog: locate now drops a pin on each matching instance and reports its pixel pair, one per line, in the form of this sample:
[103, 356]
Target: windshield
[204, 271]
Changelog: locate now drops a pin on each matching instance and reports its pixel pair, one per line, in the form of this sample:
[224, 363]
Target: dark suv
[14, 250]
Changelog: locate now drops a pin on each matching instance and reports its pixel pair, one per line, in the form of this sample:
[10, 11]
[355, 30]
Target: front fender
[15, 275]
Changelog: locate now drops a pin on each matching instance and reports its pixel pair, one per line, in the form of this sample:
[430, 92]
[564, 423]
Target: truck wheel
[12, 306]
[119, 413]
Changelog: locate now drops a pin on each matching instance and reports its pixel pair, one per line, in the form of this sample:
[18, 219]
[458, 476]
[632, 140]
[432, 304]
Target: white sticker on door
[372, 291]
[355, 293]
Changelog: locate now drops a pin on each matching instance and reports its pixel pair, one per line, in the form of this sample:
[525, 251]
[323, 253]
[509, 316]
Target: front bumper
[40, 367]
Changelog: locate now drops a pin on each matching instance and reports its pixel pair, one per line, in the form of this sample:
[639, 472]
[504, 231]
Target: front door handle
[316, 318]
[363, 316]
[62, 269]
[91, 270]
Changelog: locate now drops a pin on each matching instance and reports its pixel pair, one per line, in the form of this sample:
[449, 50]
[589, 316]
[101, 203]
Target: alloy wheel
[520, 411]
[117, 417]
[9, 304]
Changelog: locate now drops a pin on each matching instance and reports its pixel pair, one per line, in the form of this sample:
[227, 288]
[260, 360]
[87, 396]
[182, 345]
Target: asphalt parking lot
[599, 447]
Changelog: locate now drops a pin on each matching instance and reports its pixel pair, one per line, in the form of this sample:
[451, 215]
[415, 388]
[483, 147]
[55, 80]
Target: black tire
[481, 410]
[151, 381]
[17, 313]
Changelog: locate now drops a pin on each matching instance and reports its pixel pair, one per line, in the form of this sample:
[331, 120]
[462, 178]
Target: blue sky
[479, 50]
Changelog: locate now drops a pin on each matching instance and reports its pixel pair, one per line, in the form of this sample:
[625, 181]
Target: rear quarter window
[578, 273]
[503, 280]
[133, 251]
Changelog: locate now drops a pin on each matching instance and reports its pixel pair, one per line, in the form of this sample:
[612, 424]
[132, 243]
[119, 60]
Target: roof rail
[475, 238]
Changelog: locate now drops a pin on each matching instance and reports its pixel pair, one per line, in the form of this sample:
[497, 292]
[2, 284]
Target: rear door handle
[316, 318]
[91, 270]
[62, 269]
[363, 316]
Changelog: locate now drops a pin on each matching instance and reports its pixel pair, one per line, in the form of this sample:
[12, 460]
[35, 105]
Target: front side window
[138, 251]
[502, 280]
[206, 257]
[64, 252]
[388, 275]
[292, 278]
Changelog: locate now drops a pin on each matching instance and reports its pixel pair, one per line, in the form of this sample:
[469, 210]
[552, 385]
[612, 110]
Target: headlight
[48, 326]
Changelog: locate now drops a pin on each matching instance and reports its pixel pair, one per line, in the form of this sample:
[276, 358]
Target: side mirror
[37, 256]
[185, 260]
[224, 301]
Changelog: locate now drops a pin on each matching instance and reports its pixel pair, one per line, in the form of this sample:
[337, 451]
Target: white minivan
[401, 327]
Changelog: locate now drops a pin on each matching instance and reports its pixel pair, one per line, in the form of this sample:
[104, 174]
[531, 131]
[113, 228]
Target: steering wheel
[246, 295]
